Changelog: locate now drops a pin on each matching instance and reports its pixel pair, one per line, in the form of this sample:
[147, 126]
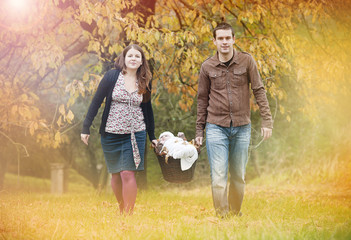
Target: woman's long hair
[143, 72]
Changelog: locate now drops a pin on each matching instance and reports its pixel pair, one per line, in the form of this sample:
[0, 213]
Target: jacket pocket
[240, 76]
[217, 80]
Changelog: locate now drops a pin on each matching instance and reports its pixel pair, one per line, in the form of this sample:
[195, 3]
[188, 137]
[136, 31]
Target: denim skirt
[118, 151]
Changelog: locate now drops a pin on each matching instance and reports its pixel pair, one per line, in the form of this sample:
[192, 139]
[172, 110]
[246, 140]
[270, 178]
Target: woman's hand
[84, 138]
[154, 143]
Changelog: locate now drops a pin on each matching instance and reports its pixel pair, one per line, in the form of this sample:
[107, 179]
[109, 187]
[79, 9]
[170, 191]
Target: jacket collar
[215, 59]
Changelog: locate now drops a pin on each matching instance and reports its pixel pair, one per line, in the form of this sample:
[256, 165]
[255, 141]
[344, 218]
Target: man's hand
[84, 138]
[266, 133]
[198, 140]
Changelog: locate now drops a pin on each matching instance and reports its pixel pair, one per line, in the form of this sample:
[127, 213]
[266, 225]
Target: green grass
[13, 183]
[271, 211]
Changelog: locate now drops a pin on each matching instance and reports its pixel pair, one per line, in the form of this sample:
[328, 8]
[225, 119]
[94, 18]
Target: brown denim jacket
[224, 94]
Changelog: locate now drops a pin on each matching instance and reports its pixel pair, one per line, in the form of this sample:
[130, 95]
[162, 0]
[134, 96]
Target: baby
[178, 148]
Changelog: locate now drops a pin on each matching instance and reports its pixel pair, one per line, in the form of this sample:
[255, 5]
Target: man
[223, 108]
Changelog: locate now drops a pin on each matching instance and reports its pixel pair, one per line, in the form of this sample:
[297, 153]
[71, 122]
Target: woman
[127, 114]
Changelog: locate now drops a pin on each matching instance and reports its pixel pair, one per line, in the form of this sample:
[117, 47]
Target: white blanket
[181, 149]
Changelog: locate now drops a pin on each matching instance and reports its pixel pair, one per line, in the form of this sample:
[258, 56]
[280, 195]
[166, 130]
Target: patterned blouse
[125, 114]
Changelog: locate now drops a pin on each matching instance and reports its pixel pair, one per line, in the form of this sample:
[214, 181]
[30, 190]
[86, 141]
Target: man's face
[224, 41]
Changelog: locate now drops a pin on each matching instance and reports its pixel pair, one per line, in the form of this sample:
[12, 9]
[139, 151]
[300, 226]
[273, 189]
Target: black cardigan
[105, 90]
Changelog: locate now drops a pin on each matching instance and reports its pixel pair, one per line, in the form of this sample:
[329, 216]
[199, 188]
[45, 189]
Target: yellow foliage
[62, 109]
[70, 116]
[305, 44]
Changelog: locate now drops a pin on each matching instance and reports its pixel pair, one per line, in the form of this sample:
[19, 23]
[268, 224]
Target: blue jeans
[227, 147]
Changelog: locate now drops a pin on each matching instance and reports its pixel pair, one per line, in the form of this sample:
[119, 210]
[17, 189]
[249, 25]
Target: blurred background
[54, 53]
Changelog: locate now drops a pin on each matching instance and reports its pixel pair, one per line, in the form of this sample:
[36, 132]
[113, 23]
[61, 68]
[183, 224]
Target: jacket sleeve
[203, 91]
[149, 119]
[260, 94]
[95, 104]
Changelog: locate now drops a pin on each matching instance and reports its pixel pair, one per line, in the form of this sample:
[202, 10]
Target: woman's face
[133, 59]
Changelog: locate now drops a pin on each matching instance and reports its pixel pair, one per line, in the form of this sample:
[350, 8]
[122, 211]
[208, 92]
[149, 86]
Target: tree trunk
[3, 169]
[7, 151]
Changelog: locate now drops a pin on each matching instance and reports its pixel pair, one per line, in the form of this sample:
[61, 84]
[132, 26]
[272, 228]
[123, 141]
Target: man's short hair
[223, 26]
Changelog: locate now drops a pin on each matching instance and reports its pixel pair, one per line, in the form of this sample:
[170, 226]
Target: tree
[49, 40]
[41, 46]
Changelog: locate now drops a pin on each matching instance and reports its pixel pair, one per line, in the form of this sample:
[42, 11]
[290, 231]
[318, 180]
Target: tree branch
[178, 17]
[15, 143]
[236, 16]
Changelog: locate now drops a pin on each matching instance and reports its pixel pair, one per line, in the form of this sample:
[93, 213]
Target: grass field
[271, 210]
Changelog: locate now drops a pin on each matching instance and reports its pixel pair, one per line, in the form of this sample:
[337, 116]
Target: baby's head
[165, 136]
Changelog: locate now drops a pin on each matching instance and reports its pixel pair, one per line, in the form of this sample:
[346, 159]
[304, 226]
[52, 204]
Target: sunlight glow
[19, 15]
[18, 4]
